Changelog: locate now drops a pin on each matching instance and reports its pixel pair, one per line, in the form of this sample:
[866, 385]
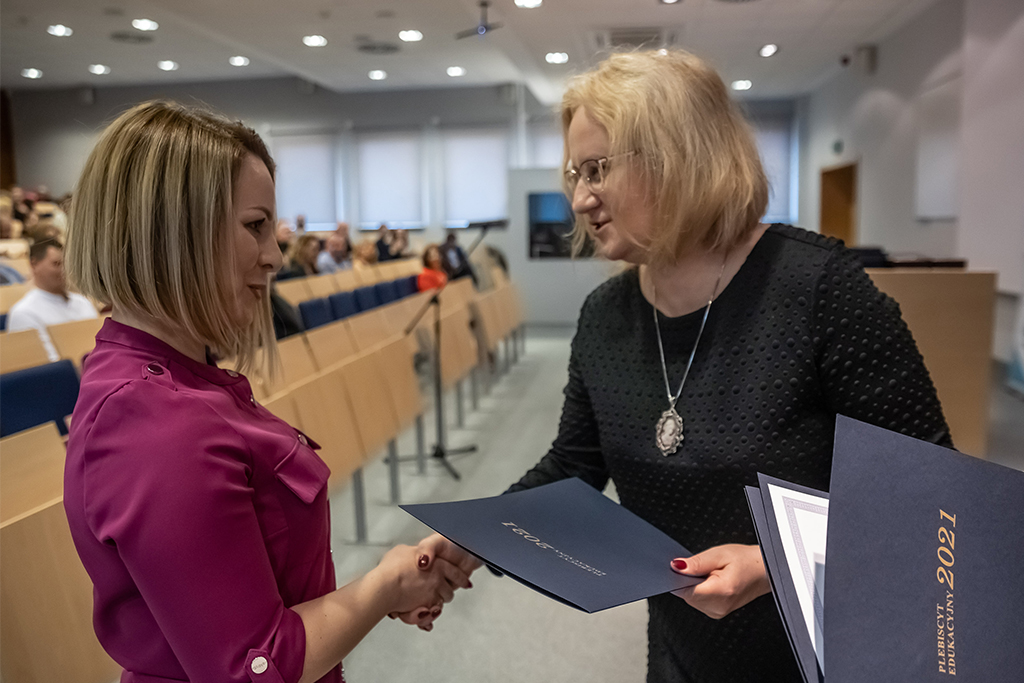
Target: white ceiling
[202, 34]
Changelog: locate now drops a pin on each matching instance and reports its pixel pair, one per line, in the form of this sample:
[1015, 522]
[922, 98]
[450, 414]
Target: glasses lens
[592, 173]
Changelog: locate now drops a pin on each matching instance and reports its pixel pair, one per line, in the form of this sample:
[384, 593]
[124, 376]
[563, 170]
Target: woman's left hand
[735, 576]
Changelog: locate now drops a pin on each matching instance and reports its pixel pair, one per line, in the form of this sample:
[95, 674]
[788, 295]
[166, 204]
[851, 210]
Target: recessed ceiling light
[410, 36]
[769, 49]
[314, 41]
[59, 30]
[668, 2]
[99, 69]
[741, 85]
[239, 60]
[167, 65]
[456, 71]
[378, 75]
[145, 24]
[528, 4]
[556, 57]
[31, 73]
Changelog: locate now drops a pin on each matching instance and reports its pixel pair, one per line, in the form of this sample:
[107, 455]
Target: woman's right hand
[417, 582]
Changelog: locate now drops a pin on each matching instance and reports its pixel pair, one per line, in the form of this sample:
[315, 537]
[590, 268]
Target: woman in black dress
[726, 350]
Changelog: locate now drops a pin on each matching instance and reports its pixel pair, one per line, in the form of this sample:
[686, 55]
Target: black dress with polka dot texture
[799, 335]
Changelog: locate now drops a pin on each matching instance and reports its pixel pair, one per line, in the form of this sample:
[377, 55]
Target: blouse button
[154, 369]
[303, 440]
[232, 373]
[252, 400]
[259, 665]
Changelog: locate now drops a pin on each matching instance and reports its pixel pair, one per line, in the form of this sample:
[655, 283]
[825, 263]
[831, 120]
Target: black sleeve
[869, 365]
[576, 451]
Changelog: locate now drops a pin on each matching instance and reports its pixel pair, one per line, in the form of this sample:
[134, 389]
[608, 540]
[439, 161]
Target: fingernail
[469, 584]
[423, 561]
[423, 614]
[679, 564]
[436, 613]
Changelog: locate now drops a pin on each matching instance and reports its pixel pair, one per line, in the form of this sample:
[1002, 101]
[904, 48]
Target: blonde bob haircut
[695, 151]
[148, 229]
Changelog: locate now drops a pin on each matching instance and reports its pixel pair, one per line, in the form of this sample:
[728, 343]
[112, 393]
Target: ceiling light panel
[314, 41]
[456, 71]
[59, 30]
[768, 50]
[99, 69]
[167, 65]
[742, 85]
[410, 36]
[239, 60]
[378, 75]
[145, 24]
[556, 58]
[32, 73]
[529, 4]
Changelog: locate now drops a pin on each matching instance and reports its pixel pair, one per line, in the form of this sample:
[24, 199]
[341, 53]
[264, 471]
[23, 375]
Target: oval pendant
[669, 432]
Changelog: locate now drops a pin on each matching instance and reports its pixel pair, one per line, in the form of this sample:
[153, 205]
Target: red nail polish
[436, 613]
[423, 561]
[423, 614]
[469, 584]
[679, 564]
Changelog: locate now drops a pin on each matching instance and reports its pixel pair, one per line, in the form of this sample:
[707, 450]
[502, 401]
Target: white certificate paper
[803, 525]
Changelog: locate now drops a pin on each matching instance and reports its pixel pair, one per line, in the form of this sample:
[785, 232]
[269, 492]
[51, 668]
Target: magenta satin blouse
[200, 517]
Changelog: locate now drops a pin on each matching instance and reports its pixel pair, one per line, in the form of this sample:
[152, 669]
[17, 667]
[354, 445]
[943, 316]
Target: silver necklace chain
[672, 400]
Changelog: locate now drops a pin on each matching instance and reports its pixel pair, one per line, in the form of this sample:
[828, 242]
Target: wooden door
[839, 203]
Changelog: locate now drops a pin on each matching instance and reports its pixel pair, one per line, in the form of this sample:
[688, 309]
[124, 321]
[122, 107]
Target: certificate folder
[565, 540]
[925, 570]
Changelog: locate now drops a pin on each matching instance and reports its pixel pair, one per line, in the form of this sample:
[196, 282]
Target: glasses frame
[572, 173]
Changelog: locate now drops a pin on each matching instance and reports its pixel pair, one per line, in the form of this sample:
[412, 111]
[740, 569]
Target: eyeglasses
[592, 171]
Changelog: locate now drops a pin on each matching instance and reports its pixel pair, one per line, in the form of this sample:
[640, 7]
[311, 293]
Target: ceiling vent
[635, 37]
[130, 38]
[379, 48]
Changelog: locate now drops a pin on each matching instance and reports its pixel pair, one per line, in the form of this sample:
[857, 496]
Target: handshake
[422, 578]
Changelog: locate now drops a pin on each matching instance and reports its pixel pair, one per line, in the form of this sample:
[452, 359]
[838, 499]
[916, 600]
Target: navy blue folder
[925, 571]
[565, 540]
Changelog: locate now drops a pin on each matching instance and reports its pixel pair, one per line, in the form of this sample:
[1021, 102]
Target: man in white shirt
[49, 303]
[335, 256]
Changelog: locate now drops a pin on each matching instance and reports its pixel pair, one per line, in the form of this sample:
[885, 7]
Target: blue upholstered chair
[343, 305]
[366, 298]
[407, 286]
[386, 292]
[31, 397]
[316, 312]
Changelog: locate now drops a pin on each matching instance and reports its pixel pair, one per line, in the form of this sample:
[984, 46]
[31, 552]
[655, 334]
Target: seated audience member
[301, 258]
[364, 255]
[432, 276]
[49, 302]
[285, 235]
[335, 256]
[400, 244]
[385, 238]
[456, 263]
[342, 231]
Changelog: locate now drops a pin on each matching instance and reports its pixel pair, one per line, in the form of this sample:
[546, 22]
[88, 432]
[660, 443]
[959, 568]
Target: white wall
[975, 50]
[876, 119]
[991, 231]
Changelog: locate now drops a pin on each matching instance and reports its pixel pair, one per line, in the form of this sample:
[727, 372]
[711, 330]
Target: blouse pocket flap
[303, 472]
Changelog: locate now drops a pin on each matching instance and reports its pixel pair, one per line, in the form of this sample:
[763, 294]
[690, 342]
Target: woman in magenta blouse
[201, 518]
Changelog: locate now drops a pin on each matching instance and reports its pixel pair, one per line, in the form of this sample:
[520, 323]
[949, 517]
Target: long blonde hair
[695, 150]
[147, 227]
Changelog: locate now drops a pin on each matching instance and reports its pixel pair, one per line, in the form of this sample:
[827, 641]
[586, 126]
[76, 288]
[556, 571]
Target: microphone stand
[441, 450]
